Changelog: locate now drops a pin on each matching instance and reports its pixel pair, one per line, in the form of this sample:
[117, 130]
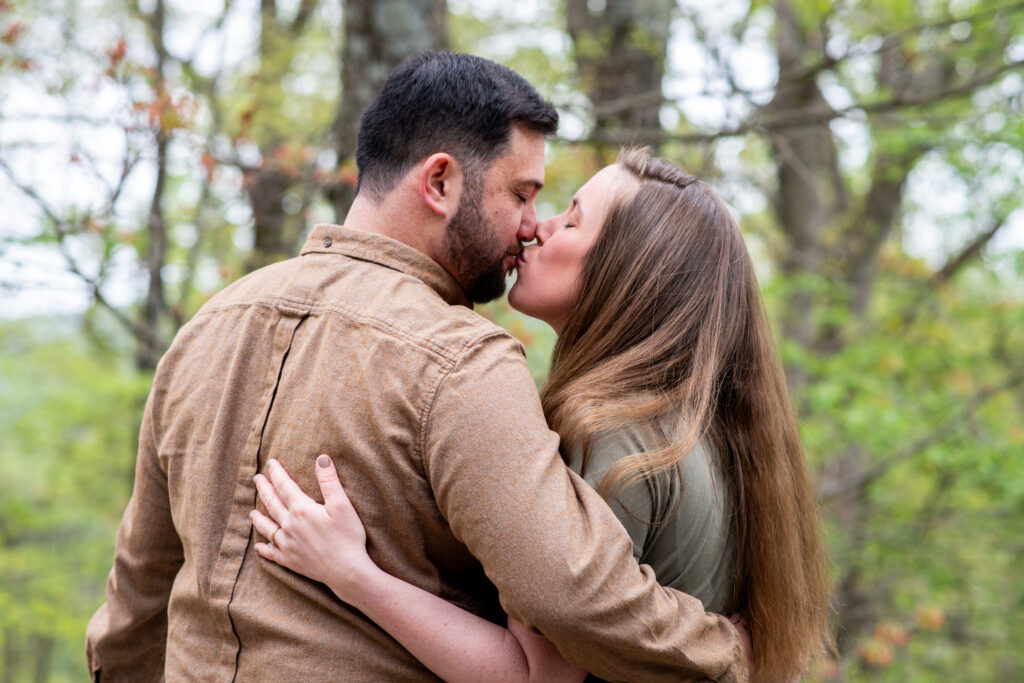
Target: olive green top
[679, 521]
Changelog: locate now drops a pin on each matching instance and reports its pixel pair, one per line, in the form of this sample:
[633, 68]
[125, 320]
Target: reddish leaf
[209, 163]
[12, 33]
[117, 53]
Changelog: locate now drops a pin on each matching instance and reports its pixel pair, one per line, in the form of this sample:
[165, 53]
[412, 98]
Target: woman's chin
[515, 297]
[517, 302]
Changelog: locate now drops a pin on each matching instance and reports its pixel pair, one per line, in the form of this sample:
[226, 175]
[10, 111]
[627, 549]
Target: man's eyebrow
[537, 184]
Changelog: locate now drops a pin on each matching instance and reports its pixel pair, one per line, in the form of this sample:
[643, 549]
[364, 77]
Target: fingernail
[323, 461]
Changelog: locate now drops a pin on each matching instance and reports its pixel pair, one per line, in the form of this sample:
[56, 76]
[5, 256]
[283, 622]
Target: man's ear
[440, 184]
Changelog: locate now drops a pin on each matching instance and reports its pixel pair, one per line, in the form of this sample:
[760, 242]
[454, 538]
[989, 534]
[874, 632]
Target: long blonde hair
[670, 312]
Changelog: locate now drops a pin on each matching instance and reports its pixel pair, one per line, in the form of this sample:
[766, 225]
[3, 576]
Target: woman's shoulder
[608, 446]
[611, 445]
[679, 519]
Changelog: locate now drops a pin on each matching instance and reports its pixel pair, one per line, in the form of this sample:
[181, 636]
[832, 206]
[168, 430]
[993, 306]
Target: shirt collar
[366, 246]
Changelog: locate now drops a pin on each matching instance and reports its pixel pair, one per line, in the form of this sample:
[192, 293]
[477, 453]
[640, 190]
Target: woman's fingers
[268, 495]
[307, 537]
[288, 490]
[330, 485]
[739, 622]
[265, 525]
[270, 552]
[267, 528]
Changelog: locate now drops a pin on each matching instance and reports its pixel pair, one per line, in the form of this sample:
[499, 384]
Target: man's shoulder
[456, 329]
[260, 284]
[369, 295]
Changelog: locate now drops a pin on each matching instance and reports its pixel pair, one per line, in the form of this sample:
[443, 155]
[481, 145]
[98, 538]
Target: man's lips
[516, 255]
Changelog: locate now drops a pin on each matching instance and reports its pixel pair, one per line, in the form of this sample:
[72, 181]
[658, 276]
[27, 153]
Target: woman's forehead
[607, 185]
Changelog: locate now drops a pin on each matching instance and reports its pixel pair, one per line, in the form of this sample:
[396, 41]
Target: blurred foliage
[69, 419]
[922, 389]
[940, 536]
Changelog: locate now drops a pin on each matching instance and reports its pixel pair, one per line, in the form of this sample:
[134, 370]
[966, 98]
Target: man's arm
[327, 543]
[560, 559]
[127, 637]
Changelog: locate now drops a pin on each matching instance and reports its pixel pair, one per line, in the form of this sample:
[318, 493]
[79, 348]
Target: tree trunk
[832, 249]
[849, 509]
[155, 306]
[894, 159]
[378, 37]
[810, 190]
[274, 235]
[11, 661]
[273, 239]
[42, 658]
[620, 52]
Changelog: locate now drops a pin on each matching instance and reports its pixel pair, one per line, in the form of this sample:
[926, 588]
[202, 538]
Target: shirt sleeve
[126, 638]
[560, 559]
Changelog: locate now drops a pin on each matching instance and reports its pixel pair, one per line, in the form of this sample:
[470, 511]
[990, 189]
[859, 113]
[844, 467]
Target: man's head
[491, 123]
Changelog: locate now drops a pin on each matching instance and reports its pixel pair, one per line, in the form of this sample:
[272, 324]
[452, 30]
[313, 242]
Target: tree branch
[955, 263]
[861, 479]
[892, 40]
[798, 118]
[64, 230]
[306, 8]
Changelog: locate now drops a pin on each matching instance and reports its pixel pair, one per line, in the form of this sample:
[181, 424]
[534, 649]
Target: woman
[670, 399]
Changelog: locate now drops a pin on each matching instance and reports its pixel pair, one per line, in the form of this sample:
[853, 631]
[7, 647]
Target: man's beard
[469, 241]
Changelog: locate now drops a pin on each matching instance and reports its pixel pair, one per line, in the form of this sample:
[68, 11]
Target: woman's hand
[739, 622]
[325, 542]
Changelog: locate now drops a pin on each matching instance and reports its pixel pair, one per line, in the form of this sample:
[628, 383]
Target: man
[365, 347]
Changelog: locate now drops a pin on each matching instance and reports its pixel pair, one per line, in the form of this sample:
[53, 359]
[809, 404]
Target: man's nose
[528, 225]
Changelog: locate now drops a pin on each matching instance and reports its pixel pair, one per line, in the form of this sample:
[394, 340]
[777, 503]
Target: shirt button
[327, 242]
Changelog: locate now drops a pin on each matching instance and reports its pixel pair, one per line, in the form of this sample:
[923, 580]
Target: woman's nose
[544, 229]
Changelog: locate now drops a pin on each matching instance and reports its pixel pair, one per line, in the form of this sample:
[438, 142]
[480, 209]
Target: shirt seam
[357, 248]
[431, 395]
[423, 343]
[369, 255]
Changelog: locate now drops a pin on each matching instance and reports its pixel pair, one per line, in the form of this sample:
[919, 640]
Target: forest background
[152, 152]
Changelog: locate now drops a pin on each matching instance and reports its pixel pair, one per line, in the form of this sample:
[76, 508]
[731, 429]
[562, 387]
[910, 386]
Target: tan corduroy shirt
[365, 349]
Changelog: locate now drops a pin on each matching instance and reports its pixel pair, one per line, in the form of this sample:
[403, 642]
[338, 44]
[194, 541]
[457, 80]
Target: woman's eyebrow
[577, 206]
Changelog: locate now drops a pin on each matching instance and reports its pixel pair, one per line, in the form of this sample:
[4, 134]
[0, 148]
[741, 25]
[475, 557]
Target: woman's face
[548, 272]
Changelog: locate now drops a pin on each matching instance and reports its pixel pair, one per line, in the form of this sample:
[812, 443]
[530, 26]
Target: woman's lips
[521, 256]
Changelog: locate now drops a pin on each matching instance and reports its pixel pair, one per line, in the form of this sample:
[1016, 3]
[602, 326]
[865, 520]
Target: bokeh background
[151, 152]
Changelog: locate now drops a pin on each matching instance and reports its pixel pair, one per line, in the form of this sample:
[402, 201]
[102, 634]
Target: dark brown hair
[444, 102]
[670, 313]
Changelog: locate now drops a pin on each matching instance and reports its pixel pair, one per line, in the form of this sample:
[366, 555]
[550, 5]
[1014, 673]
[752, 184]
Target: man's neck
[393, 218]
